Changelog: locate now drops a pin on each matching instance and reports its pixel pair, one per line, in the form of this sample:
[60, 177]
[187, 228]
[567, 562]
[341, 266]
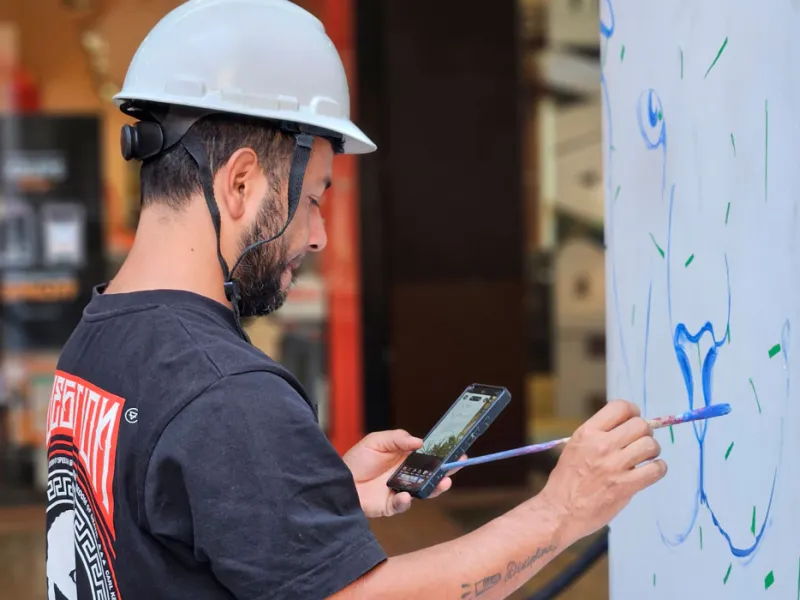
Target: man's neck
[175, 251]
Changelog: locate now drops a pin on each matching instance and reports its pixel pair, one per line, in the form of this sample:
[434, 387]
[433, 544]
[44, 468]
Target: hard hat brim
[355, 140]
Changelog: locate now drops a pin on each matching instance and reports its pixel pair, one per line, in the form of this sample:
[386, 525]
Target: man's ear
[238, 183]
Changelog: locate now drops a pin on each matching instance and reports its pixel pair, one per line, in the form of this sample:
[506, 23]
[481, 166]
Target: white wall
[722, 525]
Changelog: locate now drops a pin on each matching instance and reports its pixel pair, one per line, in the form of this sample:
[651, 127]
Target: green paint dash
[654, 580]
[671, 434]
[699, 357]
[753, 522]
[716, 58]
[633, 314]
[728, 332]
[701, 538]
[727, 213]
[616, 194]
[681, 49]
[755, 393]
[766, 148]
[733, 143]
[622, 53]
[660, 251]
[613, 149]
[660, 115]
[769, 580]
[689, 261]
[728, 452]
[774, 350]
[727, 573]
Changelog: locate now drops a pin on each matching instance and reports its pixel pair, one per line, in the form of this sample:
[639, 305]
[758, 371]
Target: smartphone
[467, 418]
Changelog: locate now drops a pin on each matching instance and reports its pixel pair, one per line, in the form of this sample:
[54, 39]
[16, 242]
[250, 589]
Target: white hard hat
[260, 58]
[266, 59]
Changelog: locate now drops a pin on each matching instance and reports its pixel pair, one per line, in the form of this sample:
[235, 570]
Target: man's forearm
[487, 564]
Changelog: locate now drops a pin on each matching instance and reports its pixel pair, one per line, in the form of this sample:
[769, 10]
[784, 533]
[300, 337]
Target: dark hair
[172, 177]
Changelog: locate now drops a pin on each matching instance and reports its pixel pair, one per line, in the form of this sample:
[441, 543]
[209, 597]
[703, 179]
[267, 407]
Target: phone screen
[444, 440]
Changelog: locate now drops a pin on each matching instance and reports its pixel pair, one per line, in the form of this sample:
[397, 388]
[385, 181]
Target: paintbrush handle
[478, 460]
[706, 412]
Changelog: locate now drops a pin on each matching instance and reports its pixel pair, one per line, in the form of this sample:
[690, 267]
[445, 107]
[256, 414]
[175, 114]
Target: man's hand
[600, 468]
[373, 460]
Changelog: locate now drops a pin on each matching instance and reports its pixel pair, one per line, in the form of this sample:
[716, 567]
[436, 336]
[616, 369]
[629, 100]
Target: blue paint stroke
[681, 338]
[654, 133]
[607, 32]
[741, 552]
[654, 124]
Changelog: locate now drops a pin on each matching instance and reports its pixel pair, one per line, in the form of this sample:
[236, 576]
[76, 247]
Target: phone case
[499, 405]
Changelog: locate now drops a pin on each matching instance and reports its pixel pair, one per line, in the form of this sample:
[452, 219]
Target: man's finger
[630, 431]
[396, 440]
[640, 450]
[612, 415]
[400, 503]
[444, 485]
[646, 475]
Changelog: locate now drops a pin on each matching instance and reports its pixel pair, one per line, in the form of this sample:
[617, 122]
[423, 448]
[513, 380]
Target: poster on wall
[51, 250]
[51, 247]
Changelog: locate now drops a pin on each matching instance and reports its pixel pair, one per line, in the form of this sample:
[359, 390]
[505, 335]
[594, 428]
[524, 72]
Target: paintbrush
[707, 412]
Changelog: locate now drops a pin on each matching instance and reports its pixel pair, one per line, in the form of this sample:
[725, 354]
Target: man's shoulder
[225, 348]
[163, 359]
[180, 337]
[266, 395]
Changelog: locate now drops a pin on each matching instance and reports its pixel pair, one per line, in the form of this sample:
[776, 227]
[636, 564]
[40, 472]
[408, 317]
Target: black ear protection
[158, 128]
[142, 140]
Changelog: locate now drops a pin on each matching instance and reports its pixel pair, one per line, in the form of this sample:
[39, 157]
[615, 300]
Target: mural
[700, 137]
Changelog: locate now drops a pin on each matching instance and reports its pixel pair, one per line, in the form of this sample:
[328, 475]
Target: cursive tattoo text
[515, 568]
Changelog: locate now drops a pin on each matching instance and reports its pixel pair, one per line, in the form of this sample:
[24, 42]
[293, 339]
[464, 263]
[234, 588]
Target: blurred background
[469, 248]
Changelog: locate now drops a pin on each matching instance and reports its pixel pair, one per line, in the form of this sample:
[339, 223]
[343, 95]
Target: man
[190, 464]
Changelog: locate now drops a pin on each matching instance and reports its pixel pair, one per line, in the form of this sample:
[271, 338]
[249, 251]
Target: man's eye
[315, 202]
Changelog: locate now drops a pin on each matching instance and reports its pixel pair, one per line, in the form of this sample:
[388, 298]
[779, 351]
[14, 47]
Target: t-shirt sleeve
[244, 479]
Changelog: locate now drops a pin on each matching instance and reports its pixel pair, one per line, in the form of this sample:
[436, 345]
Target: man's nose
[318, 237]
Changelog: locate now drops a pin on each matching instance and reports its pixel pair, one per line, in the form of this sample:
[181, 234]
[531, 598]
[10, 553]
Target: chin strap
[232, 291]
[300, 157]
[302, 152]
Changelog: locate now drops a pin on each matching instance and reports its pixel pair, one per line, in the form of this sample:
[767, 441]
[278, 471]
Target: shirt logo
[82, 432]
[132, 415]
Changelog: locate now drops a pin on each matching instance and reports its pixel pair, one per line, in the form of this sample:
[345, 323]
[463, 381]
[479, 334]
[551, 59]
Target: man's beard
[259, 273]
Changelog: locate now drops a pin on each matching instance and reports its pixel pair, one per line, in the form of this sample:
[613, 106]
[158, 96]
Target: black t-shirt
[184, 463]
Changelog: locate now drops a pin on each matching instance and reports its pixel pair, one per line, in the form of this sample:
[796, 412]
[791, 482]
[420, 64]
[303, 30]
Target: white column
[702, 166]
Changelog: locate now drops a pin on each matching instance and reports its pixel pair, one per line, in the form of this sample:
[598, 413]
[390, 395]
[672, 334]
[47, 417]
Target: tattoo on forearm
[515, 568]
[473, 590]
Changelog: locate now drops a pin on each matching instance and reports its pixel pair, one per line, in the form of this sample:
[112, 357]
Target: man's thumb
[394, 440]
